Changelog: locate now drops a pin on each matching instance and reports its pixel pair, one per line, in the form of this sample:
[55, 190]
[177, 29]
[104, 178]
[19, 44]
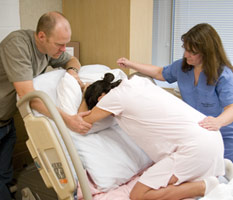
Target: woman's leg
[171, 192]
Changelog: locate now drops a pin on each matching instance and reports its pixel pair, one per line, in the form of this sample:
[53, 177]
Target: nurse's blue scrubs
[208, 99]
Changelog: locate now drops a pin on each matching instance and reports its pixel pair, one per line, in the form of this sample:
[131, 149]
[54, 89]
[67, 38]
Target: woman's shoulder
[227, 72]
[226, 75]
[175, 64]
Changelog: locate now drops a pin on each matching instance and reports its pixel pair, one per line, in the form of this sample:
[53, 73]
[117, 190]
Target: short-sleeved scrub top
[208, 99]
[167, 129]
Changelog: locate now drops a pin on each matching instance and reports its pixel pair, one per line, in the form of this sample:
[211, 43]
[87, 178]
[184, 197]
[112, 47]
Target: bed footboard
[47, 152]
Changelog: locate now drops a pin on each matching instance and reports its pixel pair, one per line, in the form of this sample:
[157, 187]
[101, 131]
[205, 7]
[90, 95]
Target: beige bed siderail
[48, 153]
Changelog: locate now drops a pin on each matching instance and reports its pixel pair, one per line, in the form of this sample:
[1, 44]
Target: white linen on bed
[109, 156]
[221, 192]
[69, 94]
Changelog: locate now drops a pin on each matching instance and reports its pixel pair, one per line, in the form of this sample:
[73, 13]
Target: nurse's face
[193, 58]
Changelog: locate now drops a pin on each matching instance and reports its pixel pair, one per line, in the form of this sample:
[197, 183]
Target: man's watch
[73, 68]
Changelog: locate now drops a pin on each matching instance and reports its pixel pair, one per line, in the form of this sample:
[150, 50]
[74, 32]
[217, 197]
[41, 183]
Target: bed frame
[47, 151]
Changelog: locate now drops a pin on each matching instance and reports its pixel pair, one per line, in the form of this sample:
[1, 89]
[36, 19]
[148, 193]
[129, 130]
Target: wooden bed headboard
[75, 45]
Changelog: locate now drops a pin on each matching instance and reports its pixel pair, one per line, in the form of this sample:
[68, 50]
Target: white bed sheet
[120, 193]
[221, 192]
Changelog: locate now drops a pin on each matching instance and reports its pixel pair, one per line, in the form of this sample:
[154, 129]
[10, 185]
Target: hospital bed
[62, 156]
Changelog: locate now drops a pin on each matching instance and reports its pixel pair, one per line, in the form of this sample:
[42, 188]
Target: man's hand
[75, 75]
[210, 123]
[82, 85]
[77, 124]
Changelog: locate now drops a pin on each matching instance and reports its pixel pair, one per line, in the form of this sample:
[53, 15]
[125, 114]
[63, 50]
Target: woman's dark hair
[204, 40]
[96, 89]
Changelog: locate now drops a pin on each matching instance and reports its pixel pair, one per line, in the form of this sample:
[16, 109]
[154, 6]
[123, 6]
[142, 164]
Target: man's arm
[73, 67]
[73, 62]
[74, 122]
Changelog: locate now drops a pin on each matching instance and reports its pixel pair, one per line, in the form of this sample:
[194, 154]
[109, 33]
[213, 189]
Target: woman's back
[156, 120]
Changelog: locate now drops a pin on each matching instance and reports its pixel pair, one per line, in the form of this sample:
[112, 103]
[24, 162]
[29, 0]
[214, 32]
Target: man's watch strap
[73, 68]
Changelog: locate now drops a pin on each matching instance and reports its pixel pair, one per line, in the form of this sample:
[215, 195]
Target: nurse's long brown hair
[204, 39]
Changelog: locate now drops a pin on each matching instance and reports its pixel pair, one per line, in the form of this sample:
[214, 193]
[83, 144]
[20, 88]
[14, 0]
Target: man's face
[55, 45]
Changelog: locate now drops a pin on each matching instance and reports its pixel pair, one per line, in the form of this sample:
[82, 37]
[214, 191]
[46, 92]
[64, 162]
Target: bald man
[25, 54]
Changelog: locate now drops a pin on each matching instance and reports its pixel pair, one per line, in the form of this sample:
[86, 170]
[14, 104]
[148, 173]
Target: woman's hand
[210, 123]
[123, 62]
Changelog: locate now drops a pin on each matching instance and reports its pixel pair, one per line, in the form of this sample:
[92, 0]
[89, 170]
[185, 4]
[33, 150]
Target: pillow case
[69, 94]
[108, 154]
[47, 83]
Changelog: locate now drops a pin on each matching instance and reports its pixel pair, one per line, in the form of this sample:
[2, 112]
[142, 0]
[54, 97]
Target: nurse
[205, 79]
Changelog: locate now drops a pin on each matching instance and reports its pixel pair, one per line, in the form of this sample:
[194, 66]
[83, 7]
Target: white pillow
[110, 157]
[69, 94]
[47, 83]
[96, 68]
[90, 77]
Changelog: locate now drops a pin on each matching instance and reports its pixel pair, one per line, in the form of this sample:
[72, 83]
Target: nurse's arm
[83, 106]
[146, 69]
[215, 123]
[227, 115]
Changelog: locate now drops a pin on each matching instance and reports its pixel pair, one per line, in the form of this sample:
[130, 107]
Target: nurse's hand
[123, 62]
[210, 123]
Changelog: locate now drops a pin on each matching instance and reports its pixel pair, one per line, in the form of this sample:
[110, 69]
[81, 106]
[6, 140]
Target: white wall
[31, 10]
[16, 14]
[9, 17]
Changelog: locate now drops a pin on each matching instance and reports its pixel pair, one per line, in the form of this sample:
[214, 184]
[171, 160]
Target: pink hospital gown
[167, 129]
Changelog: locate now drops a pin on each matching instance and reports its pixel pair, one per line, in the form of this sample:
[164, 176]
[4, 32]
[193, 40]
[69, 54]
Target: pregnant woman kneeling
[187, 157]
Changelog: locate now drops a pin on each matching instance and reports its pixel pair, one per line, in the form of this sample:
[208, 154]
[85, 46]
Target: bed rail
[47, 151]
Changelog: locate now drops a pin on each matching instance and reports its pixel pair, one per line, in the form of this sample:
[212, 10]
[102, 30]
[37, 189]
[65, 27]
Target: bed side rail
[47, 151]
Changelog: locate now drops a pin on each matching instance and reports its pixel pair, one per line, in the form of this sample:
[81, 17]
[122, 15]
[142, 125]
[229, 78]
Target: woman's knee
[173, 180]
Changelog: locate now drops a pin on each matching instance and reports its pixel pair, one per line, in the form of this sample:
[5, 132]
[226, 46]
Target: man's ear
[100, 97]
[41, 35]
